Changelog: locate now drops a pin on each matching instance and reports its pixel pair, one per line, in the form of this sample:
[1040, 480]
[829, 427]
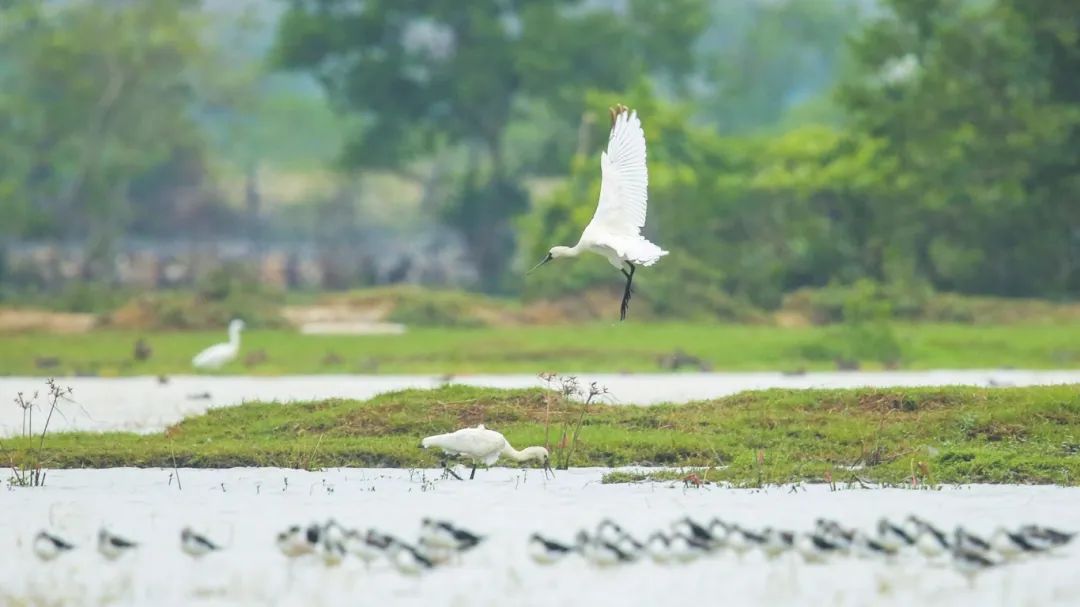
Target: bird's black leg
[473, 473]
[448, 471]
[626, 295]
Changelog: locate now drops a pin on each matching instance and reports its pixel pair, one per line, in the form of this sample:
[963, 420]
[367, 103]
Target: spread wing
[625, 178]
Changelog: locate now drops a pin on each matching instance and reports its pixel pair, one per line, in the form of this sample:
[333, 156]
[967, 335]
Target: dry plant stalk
[29, 472]
[594, 391]
[549, 380]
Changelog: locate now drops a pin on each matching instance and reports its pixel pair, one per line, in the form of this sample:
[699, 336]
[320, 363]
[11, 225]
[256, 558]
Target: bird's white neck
[234, 336]
[514, 454]
[525, 454]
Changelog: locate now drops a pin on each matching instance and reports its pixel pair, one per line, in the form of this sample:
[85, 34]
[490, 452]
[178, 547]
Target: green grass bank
[931, 435]
[602, 347]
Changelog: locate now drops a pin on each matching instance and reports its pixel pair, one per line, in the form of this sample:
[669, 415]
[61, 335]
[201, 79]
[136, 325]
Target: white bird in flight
[217, 355]
[615, 229]
[482, 445]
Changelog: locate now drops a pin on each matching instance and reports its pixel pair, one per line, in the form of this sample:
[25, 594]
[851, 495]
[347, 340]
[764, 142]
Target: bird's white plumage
[217, 355]
[615, 229]
[625, 178]
[478, 444]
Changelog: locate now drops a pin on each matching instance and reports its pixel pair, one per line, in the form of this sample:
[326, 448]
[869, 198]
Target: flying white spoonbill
[482, 445]
[217, 355]
[615, 229]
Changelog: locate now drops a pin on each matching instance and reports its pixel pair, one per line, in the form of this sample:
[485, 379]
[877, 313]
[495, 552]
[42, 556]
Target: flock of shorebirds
[687, 540]
[330, 542]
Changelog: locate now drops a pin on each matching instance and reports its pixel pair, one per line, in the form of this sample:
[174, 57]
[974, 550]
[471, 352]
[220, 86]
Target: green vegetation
[609, 347]
[797, 144]
[926, 435]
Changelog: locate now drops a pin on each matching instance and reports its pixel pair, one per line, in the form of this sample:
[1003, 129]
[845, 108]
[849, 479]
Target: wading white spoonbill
[615, 229]
[217, 355]
[482, 445]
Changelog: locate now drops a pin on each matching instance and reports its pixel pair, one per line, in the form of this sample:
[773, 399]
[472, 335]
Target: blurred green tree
[93, 96]
[431, 75]
[977, 109]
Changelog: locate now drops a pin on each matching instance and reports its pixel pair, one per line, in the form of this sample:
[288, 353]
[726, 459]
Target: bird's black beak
[542, 262]
[548, 470]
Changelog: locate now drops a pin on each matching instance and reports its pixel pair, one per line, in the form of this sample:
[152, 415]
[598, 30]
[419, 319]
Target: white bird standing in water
[217, 355]
[615, 229]
[482, 445]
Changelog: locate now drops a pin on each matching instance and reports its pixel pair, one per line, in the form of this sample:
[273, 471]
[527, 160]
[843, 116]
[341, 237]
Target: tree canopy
[919, 144]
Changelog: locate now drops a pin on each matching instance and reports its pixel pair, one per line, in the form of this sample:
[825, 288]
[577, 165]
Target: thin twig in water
[176, 470]
[314, 450]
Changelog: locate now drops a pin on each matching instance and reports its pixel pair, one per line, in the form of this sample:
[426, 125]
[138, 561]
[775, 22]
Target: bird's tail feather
[642, 252]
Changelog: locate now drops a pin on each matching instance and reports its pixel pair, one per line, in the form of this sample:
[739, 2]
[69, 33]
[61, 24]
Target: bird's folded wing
[468, 441]
[625, 178]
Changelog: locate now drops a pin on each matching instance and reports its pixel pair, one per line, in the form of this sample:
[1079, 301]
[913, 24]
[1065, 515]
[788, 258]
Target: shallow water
[244, 508]
[143, 404]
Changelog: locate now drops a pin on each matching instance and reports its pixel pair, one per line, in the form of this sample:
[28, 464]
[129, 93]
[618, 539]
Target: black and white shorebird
[777, 542]
[1011, 544]
[962, 538]
[298, 541]
[892, 535]
[1054, 537]
[48, 546]
[658, 547]
[196, 545]
[695, 530]
[968, 560]
[742, 540]
[685, 548]
[332, 550]
[441, 541]
[112, 546]
[608, 531]
[600, 552]
[677, 547]
[407, 559]
[367, 547]
[930, 541]
[720, 531]
[547, 552]
[865, 547]
[814, 548]
[834, 532]
[447, 536]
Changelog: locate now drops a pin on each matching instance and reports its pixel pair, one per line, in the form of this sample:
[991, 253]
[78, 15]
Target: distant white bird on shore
[47, 546]
[218, 355]
[484, 446]
[615, 229]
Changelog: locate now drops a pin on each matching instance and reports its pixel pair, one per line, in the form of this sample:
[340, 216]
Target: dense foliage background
[916, 144]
